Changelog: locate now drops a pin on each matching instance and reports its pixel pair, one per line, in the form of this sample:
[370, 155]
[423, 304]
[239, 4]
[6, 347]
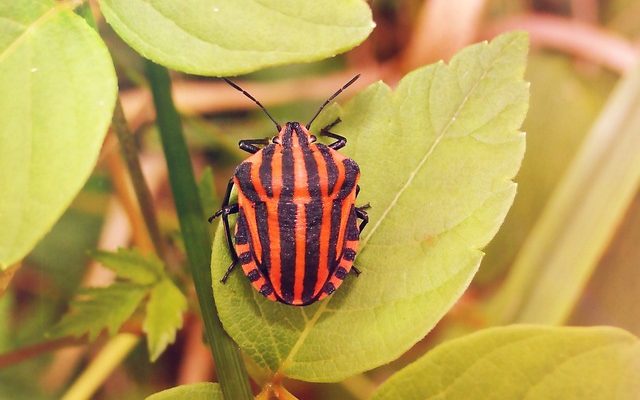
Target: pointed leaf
[195, 391]
[100, 308]
[130, 264]
[164, 317]
[57, 91]
[524, 362]
[210, 37]
[437, 157]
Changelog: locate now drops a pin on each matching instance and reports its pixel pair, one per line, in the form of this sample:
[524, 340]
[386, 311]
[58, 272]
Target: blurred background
[571, 239]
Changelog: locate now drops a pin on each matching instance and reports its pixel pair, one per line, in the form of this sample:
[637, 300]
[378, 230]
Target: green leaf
[437, 157]
[164, 317]
[195, 391]
[130, 264]
[210, 37]
[57, 91]
[524, 362]
[98, 308]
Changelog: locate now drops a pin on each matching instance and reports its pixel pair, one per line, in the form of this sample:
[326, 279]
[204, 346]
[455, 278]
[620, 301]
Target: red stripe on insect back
[325, 225]
[301, 198]
[272, 221]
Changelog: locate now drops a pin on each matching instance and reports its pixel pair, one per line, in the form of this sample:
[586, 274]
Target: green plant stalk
[111, 355]
[231, 371]
[581, 217]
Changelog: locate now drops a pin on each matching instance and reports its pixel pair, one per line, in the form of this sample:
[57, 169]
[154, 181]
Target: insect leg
[360, 213]
[225, 211]
[331, 125]
[232, 209]
[340, 142]
[249, 145]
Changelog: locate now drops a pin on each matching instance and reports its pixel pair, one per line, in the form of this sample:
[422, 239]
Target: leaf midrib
[309, 326]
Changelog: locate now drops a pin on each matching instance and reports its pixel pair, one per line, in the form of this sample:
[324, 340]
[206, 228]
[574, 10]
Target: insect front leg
[340, 142]
[224, 212]
[249, 145]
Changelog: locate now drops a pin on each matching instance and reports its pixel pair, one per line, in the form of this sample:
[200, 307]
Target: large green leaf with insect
[524, 362]
[57, 91]
[437, 156]
[212, 37]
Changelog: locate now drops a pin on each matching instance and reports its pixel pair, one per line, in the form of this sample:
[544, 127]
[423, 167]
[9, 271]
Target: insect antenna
[333, 96]
[238, 88]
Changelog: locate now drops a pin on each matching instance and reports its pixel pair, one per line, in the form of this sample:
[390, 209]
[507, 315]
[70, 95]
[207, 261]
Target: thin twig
[145, 200]
[196, 364]
[27, 352]
[111, 355]
[574, 37]
[124, 192]
[202, 97]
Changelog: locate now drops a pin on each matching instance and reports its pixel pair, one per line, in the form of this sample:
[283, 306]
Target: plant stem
[231, 371]
[130, 155]
[111, 355]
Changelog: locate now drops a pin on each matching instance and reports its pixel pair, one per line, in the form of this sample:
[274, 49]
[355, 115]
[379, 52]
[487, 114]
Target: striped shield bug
[296, 233]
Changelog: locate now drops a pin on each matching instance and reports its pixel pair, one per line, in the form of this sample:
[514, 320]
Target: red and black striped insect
[296, 234]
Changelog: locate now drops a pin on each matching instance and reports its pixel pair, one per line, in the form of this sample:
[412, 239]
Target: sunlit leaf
[212, 37]
[57, 90]
[164, 317]
[437, 157]
[524, 362]
[131, 265]
[97, 309]
[195, 391]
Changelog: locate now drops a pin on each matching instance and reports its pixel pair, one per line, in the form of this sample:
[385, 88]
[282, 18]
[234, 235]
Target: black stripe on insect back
[351, 171]
[313, 212]
[243, 173]
[287, 223]
[263, 236]
[241, 233]
[332, 168]
[336, 215]
[265, 171]
[353, 233]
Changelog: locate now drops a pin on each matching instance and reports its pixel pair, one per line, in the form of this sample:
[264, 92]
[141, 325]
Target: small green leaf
[437, 157]
[211, 37]
[98, 308]
[130, 264]
[524, 362]
[164, 317]
[195, 391]
[57, 91]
